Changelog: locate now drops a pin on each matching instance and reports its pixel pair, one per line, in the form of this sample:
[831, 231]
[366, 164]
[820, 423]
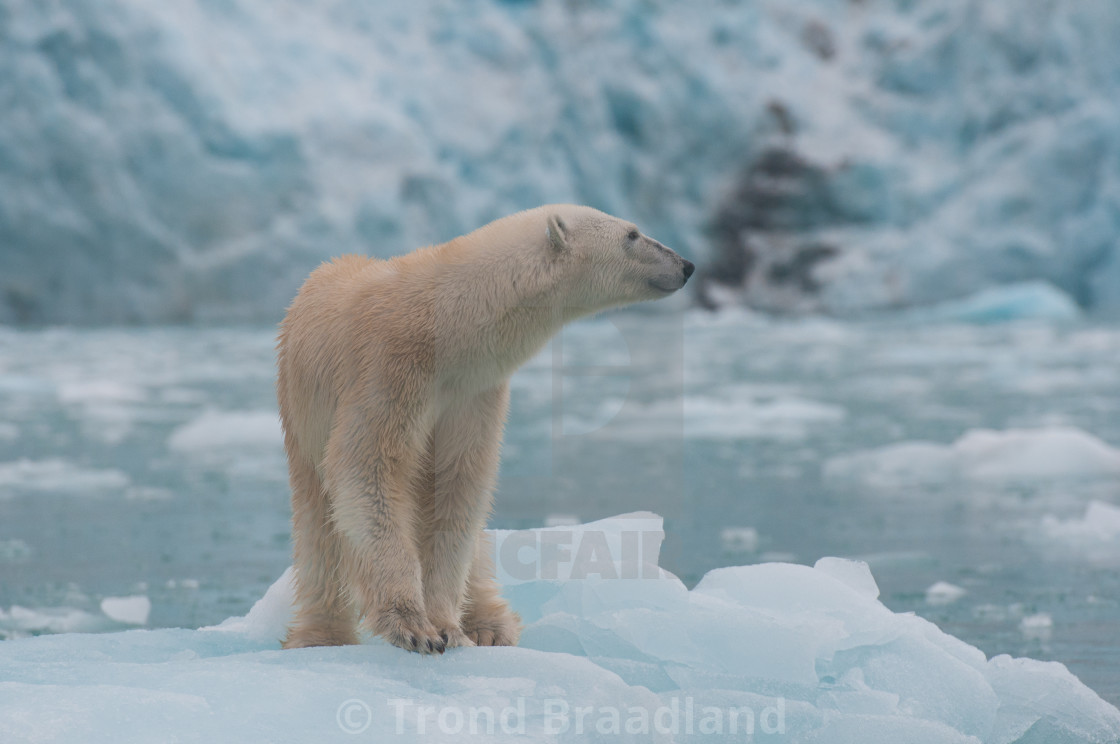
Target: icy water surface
[148, 463]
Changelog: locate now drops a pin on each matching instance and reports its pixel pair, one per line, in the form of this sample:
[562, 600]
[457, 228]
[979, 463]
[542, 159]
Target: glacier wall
[192, 161]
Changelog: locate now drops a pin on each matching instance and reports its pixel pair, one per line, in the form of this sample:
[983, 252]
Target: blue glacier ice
[1021, 301]
[192, 161]
[614, 649]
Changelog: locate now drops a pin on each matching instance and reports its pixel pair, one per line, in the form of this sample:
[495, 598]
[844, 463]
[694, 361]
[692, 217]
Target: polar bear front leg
[370, 467]
[465, 448]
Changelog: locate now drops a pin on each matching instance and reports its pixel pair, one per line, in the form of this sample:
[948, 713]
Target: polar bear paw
[408, 628]
[500, 629]
[454, 637]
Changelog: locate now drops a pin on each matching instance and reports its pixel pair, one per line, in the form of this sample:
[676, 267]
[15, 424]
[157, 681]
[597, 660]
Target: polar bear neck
[501, 295]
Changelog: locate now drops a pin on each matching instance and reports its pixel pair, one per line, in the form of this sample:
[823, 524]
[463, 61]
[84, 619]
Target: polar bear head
[606, 261]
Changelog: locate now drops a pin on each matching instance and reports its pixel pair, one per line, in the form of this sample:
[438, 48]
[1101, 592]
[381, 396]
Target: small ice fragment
[14, 551]
[561, 520]
[943, 593]
[269, 616]
[739, 539]
[130, 610]
[147, 493]
[1037, 626]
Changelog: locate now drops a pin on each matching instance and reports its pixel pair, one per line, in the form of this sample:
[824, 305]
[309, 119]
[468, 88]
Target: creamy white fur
[393, 389]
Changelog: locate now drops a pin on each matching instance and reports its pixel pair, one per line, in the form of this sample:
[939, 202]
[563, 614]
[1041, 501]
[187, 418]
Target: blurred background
[901, 343]
[188, 161]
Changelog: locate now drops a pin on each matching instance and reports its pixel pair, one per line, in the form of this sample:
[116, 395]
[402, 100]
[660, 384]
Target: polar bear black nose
[689, 267]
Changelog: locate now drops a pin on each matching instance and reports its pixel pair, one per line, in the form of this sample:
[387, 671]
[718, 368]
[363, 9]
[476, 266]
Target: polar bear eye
[633, 235]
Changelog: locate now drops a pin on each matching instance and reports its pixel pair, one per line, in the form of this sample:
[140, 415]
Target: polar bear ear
[557, 233]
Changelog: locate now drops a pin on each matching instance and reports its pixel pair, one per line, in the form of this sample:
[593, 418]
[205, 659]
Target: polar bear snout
[669, 283]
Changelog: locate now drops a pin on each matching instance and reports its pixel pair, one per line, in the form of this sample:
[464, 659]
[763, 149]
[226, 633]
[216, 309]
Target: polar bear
[393, 387]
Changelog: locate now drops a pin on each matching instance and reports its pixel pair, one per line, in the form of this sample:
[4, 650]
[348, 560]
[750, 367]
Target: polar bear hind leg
[324, 615]
[487, 618]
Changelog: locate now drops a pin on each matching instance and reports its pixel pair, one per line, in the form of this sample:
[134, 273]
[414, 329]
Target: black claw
[441, 646]
[412, 642]
[443, 635]
[431, 647]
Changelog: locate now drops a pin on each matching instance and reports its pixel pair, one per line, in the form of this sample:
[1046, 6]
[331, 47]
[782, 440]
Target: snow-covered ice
[788, 652]
[855, 574]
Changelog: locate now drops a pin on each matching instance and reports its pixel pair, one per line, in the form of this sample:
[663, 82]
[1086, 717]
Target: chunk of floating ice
[130, 610]
[182, 584]
[269, 616]
[96, 391]
[1101, 524]
[725, 418]
[1053, 452]
[218, 431]
[14, 551]
[799, 653]
[943, 593]
[1037, 626]
[1094, 538]
[983, 454]
[739, 539]
[560, 520]
[20, 621]
[60, 475]
[855, 574]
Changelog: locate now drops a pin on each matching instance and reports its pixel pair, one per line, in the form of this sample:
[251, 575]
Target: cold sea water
[976, 468]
